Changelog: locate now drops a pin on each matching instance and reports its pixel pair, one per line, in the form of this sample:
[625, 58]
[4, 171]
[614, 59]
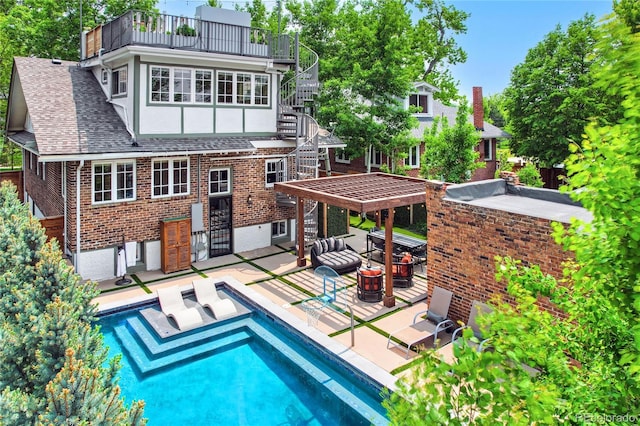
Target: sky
[499, 33]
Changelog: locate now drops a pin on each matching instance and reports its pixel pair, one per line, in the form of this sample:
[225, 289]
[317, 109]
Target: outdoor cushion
[435, 318]
[341, 259]
[371, 272]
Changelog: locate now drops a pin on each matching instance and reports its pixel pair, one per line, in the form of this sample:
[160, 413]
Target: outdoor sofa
[336, 254]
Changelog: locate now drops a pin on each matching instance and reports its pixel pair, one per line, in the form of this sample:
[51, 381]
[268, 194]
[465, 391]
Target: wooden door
[175, 243]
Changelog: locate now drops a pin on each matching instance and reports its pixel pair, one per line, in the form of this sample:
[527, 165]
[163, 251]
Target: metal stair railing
[294, 122]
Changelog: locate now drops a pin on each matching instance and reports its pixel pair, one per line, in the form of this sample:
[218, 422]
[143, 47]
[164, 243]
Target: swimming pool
[249, 370]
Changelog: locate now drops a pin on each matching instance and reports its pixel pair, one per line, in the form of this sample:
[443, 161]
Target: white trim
[170, 174]
[234, 88]
[490, 144]
[279, 224]
[413, 157]
[115, 84]
[172, 85]
[229, 174]
[340, 154]
[114, 180]
[282, 173]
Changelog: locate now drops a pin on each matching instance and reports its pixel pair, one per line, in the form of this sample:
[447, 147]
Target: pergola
[363, 192]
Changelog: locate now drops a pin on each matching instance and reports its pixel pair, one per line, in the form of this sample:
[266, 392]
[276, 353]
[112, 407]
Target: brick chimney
[478, 109]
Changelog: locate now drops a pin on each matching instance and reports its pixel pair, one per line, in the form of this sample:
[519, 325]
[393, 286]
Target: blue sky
[499, 33]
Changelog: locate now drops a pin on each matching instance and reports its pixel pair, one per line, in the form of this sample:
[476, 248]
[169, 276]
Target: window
[105, 76]
[262, 90]
[279, 228]
[170, 177]
[160, 84]
[376, 157]
[420, 101]
[413, 160]
[242, 88]
[275, 171]
[181, 85]
[225, 88]
[488, 155]
[113, 181]
[219, 181]
[119, 81]
[203, 87]
[342, 157]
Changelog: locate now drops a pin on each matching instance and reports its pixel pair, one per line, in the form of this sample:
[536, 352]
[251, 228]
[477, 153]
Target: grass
[367, 224]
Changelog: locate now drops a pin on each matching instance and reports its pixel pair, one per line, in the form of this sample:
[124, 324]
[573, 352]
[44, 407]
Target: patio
[273, 273]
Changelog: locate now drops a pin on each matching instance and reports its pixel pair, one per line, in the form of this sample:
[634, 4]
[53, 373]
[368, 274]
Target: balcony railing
[179, 32]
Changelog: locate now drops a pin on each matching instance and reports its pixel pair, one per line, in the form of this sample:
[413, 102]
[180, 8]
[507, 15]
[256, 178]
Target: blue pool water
[249, 371]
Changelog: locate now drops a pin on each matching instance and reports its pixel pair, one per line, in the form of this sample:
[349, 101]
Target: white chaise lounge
[172, 305]
[207, 296]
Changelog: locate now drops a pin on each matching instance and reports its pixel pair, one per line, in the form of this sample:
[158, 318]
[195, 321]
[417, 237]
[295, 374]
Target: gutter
[77, 257]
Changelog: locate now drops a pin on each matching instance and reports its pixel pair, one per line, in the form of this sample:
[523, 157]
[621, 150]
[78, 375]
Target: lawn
[367, 224]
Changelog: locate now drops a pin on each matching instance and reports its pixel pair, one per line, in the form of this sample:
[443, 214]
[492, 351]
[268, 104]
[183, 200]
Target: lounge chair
[207, 296]
[172, 305]
[436, 320]
[477, 308]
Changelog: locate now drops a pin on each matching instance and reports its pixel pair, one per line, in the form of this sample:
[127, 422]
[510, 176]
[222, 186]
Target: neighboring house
[165, 117]
[422, 97]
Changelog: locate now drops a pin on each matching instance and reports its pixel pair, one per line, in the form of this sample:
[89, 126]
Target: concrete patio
[272, 273]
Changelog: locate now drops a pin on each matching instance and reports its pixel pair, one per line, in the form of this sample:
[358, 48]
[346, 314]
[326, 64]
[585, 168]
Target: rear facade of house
[166, 138]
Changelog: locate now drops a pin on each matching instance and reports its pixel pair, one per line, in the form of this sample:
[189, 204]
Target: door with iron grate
[220, 225]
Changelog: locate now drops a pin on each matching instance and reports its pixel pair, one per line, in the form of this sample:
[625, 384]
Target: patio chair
[420, 256]
[172, 305]
[377, 243]
[436, 320]
[477, 308]
[403, 270]
[207, 296]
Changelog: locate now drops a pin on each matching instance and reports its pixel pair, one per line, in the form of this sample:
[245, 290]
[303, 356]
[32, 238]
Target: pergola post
[300, 229]
[389, 299]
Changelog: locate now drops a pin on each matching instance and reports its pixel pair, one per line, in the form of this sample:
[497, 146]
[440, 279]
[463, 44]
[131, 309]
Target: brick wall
[139, 220]
[463, 240]
[46, 192]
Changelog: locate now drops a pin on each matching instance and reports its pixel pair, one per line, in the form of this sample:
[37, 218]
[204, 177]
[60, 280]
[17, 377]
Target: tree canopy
[580, 365]
[552, 96]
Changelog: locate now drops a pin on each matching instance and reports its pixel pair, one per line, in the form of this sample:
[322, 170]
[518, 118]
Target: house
[422, 97]
[166, 138]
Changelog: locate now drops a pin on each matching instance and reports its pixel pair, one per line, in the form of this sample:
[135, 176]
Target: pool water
[248, 371]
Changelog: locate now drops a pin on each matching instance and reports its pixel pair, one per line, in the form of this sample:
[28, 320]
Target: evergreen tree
[46, 319]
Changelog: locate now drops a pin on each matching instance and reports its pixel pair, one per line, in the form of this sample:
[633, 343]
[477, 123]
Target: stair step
[150, 354]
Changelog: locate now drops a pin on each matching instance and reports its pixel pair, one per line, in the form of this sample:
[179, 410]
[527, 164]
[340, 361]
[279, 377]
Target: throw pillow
[340, 245]
[317, 247]
[331, 244]
[435, 318]
[325, 245]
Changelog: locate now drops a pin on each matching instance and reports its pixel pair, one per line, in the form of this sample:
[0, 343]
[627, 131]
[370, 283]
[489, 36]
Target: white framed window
[241, 88]
[219, 181]
[342, 157]
[275, 171]
[119, 81]
[169, 176]
[413, 159]
[105, 76]
[114, 181]
[488, 152]
[421, 101]
[279, 228]
[181, 85]
[376, 157]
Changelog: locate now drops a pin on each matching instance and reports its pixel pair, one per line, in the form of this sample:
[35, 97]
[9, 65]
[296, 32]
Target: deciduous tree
[583, 365]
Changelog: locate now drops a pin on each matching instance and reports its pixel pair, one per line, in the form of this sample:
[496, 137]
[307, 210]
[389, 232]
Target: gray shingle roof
[440, 110]
[71, 116]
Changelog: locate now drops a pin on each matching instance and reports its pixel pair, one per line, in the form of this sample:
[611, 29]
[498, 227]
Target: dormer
[422, 97]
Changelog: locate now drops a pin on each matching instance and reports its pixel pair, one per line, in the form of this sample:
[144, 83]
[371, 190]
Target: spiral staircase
[296, 123]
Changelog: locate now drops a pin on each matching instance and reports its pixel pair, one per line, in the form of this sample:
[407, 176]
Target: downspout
[110, 100]
[77, 258]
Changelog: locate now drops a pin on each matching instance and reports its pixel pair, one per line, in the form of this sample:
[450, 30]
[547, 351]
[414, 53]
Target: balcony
[136, 28]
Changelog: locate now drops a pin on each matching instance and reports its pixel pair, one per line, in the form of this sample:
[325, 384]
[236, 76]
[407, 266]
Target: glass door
[220, 226]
